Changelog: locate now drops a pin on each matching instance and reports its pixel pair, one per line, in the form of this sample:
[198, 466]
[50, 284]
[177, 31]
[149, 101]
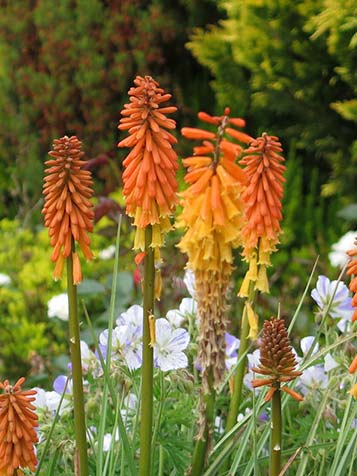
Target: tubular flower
[149, 178]
[17, 429]
[212, 216]
[67, 210]
[352, 271]
[264, 168]
[277, 361]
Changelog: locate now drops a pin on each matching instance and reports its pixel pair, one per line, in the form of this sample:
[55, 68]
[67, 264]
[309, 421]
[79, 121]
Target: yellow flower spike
[212, 218]
[157, 240]
[252, 273]
[253, 321]
[152, 330]
[157, 284]
[353, 391]
[262, 283]
[139, 240]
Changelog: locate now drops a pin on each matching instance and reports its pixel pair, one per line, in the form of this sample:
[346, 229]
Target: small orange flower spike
[67, 210]
[17, 429]
[149, 177]
[277, 361]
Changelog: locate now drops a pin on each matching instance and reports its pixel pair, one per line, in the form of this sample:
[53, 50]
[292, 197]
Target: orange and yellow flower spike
[149, 178]
[262, 197]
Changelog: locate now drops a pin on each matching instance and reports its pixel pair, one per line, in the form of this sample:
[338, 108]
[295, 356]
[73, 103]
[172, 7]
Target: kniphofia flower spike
[264, 168]
[212, 216]
[17, 429]
[277, 361]
[149, 178]
[67, 210]
[352, 271]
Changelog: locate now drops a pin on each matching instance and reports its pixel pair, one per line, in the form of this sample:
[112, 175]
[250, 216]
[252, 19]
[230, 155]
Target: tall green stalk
[275, 435]
[148, 360]
[200, 451]
[238, 378]
[75, 351]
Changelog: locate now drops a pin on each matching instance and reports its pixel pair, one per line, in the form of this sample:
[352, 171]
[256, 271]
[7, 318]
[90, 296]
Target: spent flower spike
[68, 211]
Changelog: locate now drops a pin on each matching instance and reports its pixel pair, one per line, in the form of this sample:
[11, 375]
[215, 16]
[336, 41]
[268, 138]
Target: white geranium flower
[338, 256]
[107, 440]
[253, 361]
[330, 363]
[89, 360]
[333, 296]
[126, 345]
[49, 401]
[177, 316]
[189, 280]
[5, 280]
[306, 343]
[107, 253]
[132, 317]
[58, 307]
[312, 378]
[169, 344]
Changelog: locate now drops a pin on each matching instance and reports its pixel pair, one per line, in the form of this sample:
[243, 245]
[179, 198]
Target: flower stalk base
[148, 359]
[75, 351]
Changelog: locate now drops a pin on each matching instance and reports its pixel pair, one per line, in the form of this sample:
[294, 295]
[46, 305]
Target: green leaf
[90, 286]
[349, 213]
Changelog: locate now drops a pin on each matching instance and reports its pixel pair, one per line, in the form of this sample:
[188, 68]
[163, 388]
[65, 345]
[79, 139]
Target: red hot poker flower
[264, 168]
[67, 210]
[149, 178]
[17, 428]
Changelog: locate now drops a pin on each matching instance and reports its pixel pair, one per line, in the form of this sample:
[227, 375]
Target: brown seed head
[67, 210]
[17, 428]
[277, 361]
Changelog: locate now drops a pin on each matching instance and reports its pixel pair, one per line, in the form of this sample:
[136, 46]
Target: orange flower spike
[149, 178]
[68, 211]
[193, 133]
[352, 270]
[263, 196]
[17, 429]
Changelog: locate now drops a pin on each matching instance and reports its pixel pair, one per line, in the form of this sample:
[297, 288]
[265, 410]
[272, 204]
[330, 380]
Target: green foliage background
[290, 69]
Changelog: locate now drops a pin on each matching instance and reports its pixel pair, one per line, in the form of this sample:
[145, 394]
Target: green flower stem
[275, 435]
[200, 452]
[238, 378]
[75, 351]
[148, 360]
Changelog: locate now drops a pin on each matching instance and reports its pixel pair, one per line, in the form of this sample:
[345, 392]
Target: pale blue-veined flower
[334, 298]
[169, 346]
